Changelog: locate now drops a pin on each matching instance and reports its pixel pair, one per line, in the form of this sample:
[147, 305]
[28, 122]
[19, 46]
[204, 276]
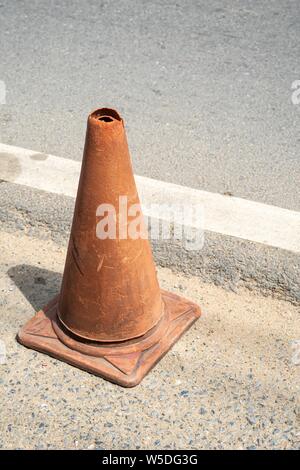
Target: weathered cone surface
[110, 290]
[110, 318]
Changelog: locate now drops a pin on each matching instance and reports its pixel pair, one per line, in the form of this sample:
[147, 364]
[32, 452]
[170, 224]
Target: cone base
[125, 364]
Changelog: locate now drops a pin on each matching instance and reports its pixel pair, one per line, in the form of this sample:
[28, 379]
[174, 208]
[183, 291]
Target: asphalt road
[204, 87]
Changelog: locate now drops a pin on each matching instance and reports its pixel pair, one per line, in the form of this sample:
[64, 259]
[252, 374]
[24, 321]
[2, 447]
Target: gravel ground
[230, 382]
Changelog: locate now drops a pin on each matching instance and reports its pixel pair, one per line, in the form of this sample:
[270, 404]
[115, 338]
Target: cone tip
[105, 117]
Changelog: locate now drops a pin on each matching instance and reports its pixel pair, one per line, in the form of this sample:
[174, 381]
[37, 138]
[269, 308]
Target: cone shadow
[38, 285]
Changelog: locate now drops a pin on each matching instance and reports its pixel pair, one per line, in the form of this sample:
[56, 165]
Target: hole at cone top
[106, 115]
[105, 119]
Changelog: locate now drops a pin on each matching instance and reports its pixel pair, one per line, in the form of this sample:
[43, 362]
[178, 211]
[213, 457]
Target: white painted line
[40, 171]
[227, 215]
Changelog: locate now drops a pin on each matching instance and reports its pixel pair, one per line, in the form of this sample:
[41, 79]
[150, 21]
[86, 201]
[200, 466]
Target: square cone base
[125, 369]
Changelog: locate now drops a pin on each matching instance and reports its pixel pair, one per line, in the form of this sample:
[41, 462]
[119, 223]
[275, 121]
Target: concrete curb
[218, 213]
[226, 261]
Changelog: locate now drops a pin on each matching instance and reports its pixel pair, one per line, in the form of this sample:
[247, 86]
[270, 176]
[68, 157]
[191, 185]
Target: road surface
[204, 87]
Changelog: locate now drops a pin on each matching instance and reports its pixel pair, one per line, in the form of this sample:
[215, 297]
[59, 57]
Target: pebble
[251, 420]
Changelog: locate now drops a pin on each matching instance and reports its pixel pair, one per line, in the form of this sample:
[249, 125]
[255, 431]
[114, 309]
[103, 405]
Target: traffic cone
[110, 318]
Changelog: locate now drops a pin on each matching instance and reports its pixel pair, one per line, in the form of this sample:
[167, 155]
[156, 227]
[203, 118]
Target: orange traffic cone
[111, 318]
